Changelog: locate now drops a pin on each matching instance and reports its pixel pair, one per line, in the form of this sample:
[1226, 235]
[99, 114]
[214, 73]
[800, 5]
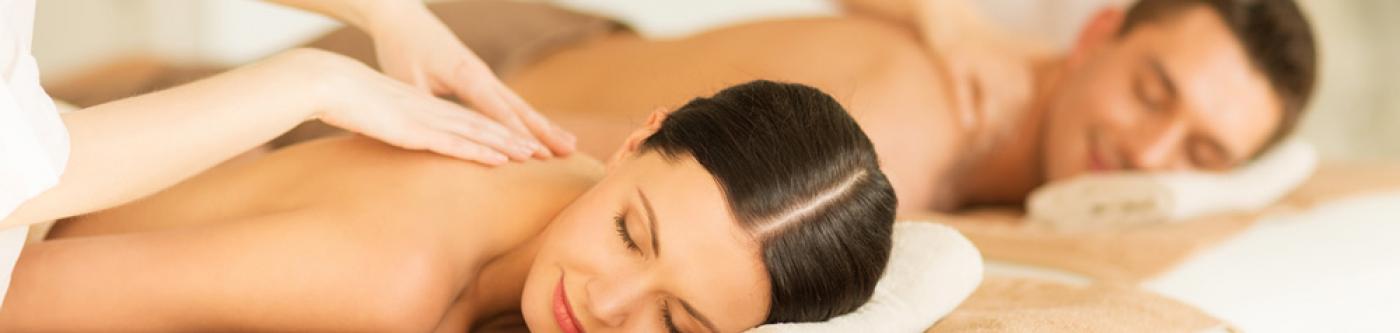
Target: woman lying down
[713, 218]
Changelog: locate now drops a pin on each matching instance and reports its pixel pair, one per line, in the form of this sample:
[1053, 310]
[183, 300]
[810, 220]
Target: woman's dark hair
[801, 176]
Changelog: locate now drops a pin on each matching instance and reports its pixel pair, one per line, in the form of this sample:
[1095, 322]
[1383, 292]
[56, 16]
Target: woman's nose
[612, 298]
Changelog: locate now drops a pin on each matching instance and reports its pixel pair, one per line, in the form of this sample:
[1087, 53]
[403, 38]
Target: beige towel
[1134, 255]
[1004, 304]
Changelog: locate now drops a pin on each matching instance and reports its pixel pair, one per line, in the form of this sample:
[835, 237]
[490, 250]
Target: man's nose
[1156, 146]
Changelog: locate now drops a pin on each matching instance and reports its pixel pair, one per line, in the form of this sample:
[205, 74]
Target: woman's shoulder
[423, 204]
[538, 177]
[502, 203]
[359, 159]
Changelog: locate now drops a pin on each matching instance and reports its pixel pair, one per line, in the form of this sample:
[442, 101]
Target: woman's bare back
[331, 235]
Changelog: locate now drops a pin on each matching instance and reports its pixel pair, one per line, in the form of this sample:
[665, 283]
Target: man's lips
[563, 312]
[1097, 161]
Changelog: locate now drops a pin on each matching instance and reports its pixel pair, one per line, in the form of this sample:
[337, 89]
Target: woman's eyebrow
[651, 219]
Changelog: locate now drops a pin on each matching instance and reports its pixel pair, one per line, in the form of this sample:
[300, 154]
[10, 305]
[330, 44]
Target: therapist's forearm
[363, 14]
[900, 11]
[127, 149]
[939, 22]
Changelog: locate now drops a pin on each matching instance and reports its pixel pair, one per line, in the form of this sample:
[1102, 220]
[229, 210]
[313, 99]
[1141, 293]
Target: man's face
[1178, 93]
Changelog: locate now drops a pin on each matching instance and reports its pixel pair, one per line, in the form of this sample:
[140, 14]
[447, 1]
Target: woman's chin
[534, 306]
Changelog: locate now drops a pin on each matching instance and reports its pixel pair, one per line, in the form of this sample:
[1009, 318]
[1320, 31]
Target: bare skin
[880, 72]
[980, 121]
[347, 235]
[404, 220]
[961, 113]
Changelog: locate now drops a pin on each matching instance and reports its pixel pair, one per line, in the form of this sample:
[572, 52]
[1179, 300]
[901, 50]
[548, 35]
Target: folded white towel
[932, 269]
[1137, 198]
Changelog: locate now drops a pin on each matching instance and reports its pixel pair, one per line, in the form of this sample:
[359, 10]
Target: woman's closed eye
[625, 234]
[666, 318]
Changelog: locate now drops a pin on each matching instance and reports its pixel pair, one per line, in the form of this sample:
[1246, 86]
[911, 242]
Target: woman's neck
[1007, 166]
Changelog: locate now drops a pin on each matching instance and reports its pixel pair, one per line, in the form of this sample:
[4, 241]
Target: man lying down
[1166, 85]
[962, 113]
[711, 218]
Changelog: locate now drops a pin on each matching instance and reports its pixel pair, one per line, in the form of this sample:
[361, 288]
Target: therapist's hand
[354, 97]
[412, 45]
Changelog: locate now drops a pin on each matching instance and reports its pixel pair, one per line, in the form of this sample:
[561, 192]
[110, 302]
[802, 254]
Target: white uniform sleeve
[33, 143]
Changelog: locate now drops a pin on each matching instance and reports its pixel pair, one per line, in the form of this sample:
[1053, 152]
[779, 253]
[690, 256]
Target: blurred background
[1356, 115]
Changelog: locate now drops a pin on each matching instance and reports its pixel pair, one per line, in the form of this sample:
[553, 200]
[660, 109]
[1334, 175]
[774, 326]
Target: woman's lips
[563, 312]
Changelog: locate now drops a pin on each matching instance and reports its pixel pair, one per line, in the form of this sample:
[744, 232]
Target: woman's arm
[296, 271]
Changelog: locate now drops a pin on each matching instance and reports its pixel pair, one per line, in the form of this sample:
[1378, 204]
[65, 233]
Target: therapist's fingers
[479, 87]
[484, 131]
[559, 141]
[454, 146]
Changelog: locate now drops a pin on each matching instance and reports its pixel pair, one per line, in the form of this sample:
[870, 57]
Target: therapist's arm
[127, 149]
[940, 22]
[414, 46]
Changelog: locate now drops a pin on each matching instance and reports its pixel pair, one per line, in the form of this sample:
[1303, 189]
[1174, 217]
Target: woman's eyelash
[667, 320]
[626, 236]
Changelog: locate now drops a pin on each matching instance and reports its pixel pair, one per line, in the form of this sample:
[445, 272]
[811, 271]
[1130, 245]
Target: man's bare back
[961, 112]
[880, 72]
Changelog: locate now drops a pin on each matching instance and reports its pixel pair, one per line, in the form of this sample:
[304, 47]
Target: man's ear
[634, 141]
[1101, 29]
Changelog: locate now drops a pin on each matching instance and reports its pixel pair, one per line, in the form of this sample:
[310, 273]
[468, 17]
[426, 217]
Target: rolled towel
[1139, 198]
[932, 269]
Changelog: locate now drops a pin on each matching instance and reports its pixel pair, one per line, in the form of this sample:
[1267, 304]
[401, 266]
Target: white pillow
[932, 269]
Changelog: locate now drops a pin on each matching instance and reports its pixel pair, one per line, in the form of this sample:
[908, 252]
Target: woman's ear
[634, 141]
[1101, 29]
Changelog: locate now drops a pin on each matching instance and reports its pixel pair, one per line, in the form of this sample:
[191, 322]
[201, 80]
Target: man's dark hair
[801, 176]
[1276, 37]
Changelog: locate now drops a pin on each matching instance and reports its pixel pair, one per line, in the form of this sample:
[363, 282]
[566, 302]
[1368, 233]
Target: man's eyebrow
[1163, 77]
[696, 314]
[651, 218]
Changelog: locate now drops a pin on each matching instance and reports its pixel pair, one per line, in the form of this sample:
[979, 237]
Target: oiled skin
[881, 72]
